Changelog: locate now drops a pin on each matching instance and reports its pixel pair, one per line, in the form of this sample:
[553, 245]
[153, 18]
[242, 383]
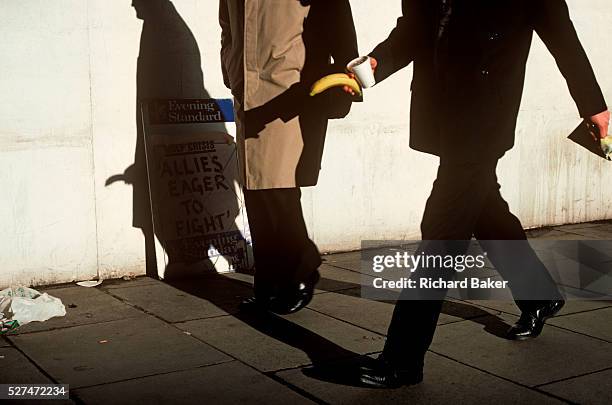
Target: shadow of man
[169, 67]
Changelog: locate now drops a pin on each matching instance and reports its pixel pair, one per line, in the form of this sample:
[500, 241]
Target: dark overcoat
[467, 86]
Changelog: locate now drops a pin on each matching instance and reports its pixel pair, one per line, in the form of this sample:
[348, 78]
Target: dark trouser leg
[502, 236]
[466, 201]
[451, 213]
[284, 254]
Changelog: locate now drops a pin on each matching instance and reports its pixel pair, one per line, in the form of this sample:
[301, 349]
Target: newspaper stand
[197, 203]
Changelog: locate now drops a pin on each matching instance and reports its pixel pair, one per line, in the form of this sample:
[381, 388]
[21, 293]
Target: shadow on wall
[169, 66]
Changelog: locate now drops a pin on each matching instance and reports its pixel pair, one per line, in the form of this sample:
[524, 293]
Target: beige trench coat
[272, 52]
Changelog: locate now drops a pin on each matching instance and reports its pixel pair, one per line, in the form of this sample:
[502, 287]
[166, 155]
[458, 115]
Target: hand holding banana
[336, 80]
[347, 81]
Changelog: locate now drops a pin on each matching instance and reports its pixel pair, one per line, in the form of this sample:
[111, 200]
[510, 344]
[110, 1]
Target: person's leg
[451, 213]
[284, 254]
[262, 225]
[300, 254]
[501, 235]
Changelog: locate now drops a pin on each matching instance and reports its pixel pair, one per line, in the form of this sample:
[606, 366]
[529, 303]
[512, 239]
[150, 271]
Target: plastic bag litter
[24, 305]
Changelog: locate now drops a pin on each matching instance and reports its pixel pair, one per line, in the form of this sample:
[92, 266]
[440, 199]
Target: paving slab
[219, 291]
[552, 234]
[591, 389]
[38, 401]
[556, 354]
[586, 298]
[332, 279]
[15, 368]
[120, 283]
[350, 307]
[269, 342]
[228, 383]
[484, 273]
[83, 306]
[246, 278]
[348, 336]
[338, 279]
[571, 307]
[445, 381]
[117, 350]
[580, 225]
[168, 302]
[354, 266]
[585, 266]
[349, 261]
[342, 257]
[459, 311]
[592, 231]
[373, 315]
[596, 323]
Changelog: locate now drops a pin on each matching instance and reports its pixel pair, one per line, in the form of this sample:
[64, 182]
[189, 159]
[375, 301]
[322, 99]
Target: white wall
[67, 123]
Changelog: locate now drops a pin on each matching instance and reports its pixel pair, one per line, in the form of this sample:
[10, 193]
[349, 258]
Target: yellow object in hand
[335, 80]
[606, 146]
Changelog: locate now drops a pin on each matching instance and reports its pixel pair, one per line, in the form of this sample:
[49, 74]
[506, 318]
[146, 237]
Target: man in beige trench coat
[272, 52]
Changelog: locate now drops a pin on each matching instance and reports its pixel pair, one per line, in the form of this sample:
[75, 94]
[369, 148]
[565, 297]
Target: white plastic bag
[26, 305]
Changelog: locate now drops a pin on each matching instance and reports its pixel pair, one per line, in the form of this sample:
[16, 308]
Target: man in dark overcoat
[469, 69]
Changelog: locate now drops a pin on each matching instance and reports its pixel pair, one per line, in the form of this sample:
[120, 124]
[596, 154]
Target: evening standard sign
[193, 175]
[204, 111]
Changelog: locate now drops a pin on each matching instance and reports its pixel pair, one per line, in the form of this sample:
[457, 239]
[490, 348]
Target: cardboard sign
[198, 212]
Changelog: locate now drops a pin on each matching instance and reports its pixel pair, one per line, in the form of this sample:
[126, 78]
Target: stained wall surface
[68, 124]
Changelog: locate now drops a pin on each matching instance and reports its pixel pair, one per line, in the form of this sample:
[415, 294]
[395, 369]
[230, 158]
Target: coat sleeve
[226, 40]
[336, 20]
[551, 21]
[399, 49]
[343, 41]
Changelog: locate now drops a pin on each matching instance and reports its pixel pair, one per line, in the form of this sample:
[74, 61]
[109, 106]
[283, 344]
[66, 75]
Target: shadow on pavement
[330, 362]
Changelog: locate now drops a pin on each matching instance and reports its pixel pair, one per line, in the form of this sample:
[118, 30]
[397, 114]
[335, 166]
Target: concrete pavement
[148, 341]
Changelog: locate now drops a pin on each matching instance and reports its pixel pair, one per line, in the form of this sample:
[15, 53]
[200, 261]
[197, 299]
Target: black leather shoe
[295, 299]
[381, 374]
[304, 295]
[530, 324]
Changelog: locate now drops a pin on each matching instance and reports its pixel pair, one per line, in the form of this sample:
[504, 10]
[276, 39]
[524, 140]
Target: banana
[335, 80]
